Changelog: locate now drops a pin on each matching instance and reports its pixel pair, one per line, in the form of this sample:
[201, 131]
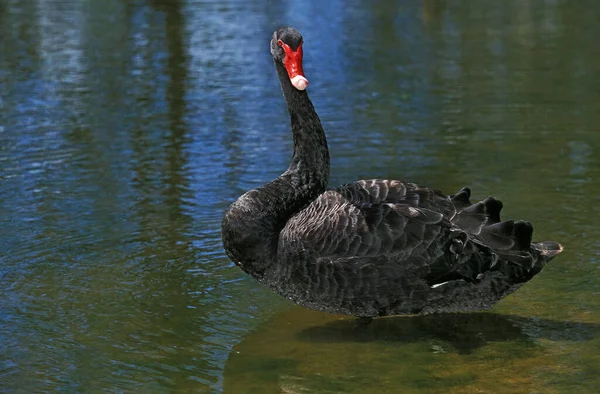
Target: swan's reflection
[465, 332]
[299, 350]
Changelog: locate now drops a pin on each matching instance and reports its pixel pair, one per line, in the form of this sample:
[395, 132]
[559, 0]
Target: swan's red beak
[293, 64]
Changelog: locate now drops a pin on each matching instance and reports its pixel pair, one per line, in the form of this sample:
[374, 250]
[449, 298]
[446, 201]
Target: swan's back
[379, 247]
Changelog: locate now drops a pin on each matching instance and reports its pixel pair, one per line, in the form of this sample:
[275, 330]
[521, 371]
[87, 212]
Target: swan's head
[286, 48]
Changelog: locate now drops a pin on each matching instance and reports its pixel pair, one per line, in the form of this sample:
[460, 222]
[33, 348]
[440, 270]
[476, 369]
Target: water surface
[128, 127]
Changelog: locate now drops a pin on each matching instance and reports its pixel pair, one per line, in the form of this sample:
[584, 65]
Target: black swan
[372, 247]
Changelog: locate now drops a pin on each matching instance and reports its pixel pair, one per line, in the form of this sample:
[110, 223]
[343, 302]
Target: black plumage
[372, 247]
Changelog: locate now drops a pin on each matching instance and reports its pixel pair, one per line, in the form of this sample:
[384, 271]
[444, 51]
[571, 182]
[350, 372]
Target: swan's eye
[280, 43]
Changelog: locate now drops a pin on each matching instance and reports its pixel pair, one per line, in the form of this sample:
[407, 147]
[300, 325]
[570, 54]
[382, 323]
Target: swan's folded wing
[368, 219]
[375, 191]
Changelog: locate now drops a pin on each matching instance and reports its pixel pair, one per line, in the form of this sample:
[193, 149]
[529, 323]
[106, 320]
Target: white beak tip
[299, 82]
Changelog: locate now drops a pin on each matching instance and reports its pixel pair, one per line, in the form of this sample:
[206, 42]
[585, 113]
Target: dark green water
[127, 127]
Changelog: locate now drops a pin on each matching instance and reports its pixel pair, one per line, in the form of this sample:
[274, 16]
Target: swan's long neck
[252, 225]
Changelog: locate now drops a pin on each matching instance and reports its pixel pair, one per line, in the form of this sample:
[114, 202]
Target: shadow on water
[465, 332]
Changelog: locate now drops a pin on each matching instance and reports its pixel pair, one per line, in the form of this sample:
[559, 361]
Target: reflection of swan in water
[464, 331]
[299, 350]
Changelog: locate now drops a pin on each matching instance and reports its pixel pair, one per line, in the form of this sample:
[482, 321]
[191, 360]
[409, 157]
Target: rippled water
[127, 127]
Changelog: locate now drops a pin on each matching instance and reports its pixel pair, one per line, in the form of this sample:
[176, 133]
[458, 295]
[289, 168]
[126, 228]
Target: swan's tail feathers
[461, 199]
[492, 209]
[507, 236]
[504, 246]
[518, 257]
[514, 238]
[472, 218]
